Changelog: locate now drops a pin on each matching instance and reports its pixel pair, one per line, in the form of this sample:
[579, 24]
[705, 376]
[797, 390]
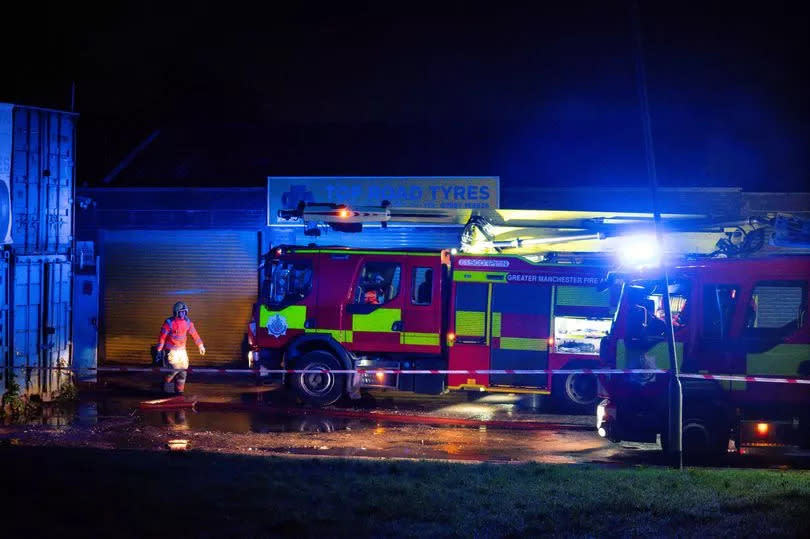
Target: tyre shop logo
[277, 326]
[482, 263]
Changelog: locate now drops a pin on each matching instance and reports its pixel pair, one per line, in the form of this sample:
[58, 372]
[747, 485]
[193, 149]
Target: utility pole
[675, 390]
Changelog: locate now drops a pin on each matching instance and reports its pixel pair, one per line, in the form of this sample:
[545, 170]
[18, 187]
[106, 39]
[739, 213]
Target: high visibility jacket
[174, 332]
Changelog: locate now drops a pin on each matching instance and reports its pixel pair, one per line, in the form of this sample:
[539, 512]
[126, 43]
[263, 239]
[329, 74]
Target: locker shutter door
[146, 271]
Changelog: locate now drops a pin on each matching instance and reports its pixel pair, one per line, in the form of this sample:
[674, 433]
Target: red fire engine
[731, 316]
[340, 308]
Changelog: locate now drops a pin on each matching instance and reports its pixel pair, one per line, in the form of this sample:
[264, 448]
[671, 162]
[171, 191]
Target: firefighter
[374, 291]
[371, 297]
[173, 336]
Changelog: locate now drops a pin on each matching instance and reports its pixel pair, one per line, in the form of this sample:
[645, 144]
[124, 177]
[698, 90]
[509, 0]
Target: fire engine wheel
[319, 388]
[701, 440]
[575, 392]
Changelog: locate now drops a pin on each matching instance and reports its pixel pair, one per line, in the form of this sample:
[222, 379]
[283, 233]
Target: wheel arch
[559, 381]
[309, 343]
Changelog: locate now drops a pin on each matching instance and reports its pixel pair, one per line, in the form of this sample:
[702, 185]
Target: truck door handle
[396, 326]
[309, 323]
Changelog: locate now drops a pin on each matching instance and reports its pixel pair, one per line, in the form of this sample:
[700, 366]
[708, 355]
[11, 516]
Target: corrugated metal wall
[42, 167]
[146, 271]
[41, 321]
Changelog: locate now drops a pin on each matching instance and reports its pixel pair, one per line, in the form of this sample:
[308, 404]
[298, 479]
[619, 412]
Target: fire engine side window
[378, 283]
[422, 286]
[776, 304]
[719, 301]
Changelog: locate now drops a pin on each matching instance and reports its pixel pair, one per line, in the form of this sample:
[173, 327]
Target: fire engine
[742, 314]
[324, 309]
[336, 308]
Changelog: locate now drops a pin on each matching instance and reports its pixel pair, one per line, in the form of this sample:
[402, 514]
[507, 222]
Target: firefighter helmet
[179, 306]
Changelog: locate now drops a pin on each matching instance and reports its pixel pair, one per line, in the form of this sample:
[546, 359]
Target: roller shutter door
[144, 272]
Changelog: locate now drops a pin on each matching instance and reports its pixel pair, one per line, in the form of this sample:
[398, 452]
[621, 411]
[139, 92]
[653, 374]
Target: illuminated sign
[425, 192]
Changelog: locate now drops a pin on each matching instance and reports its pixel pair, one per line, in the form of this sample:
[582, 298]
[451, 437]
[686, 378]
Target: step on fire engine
[334, 308]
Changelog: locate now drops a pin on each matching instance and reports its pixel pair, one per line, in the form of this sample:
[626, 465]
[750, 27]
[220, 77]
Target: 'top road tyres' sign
[427, 192]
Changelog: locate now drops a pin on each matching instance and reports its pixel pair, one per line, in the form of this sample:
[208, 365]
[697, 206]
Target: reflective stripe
[782, 359]
[658, 353]
[521, 343]
[470, 323]
[296, 315]
[489, 305]
[496, 324]
[338, 334]
[479, 276]
[425, 339]
[377, 321]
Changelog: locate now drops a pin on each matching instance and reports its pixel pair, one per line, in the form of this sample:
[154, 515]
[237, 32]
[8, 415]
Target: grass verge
[138, 493]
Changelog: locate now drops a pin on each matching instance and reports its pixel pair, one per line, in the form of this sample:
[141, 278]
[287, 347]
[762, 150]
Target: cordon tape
[264, 372]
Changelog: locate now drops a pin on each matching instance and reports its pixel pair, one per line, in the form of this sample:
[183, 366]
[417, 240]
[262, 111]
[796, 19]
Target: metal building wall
[144, 272]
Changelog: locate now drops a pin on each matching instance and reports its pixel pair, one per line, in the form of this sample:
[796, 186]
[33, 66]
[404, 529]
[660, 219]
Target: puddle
[259, 421]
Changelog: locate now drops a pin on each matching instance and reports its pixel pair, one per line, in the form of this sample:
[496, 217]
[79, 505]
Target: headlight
[600, 418]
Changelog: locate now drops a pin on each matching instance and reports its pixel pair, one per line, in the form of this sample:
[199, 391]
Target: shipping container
[37, 167]
[40, 336]
[4, 324]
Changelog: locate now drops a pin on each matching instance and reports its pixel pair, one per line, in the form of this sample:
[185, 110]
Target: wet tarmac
[244, 417]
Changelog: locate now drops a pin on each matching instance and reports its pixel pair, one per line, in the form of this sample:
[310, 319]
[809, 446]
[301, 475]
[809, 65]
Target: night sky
[538, 95]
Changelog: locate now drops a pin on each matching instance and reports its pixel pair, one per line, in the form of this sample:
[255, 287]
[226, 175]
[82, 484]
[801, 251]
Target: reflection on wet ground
[242, 417]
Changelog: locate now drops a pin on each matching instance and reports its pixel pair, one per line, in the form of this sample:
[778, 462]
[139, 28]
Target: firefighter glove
[202, 350]
[159, 356]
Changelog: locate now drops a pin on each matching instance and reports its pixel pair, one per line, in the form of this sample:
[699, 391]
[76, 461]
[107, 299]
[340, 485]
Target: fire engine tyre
[575, 392]
[319, 388]
[701, 441]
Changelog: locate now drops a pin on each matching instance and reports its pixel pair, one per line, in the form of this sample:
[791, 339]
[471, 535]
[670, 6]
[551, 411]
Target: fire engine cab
[333, 308]
[738, 316]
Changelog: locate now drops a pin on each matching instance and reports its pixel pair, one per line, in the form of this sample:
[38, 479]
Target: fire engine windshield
[286, 282]
[645, 299]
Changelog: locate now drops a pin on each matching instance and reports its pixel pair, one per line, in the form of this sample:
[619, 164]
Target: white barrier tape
[264, 372]
[740, 378]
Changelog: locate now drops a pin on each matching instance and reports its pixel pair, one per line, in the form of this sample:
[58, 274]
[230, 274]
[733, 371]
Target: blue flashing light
[640, 252]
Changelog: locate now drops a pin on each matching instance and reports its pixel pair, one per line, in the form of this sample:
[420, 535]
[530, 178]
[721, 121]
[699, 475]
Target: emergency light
[640, 252]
